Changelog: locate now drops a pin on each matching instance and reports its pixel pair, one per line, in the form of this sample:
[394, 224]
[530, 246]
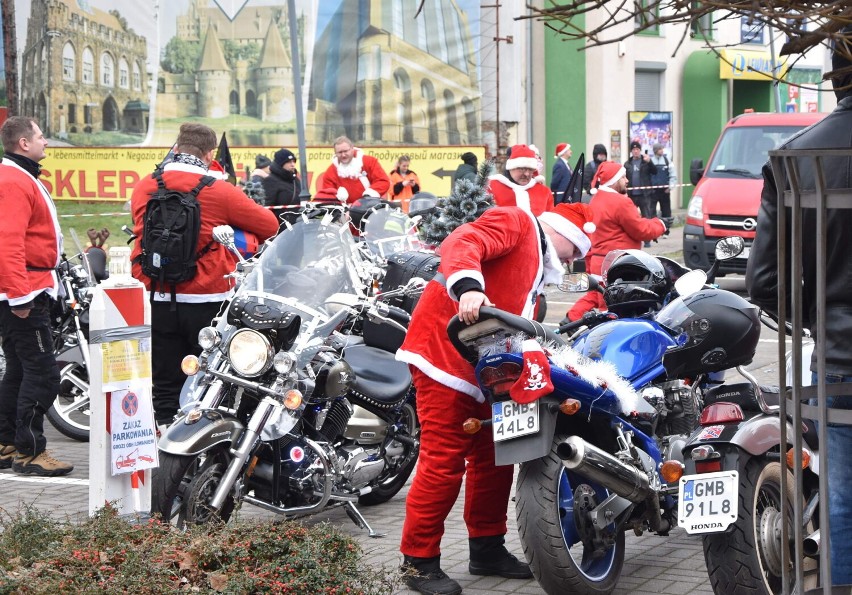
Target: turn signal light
[791, 461]
[721, 413]
[292, 399]
[671, 471]
[190, 365]
[471, 425]
[569, 406]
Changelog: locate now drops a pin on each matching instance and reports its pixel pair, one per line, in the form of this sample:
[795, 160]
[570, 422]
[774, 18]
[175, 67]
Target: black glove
[667, 223]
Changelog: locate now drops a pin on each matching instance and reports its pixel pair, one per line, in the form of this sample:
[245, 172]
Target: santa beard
[354, 169]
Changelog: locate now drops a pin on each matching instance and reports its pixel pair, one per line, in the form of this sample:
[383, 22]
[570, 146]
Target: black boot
[489, 556]
[425, 575]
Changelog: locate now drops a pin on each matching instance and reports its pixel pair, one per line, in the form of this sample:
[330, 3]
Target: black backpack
[170, 235]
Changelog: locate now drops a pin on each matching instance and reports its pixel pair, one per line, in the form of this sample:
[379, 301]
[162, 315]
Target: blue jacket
[559, 180]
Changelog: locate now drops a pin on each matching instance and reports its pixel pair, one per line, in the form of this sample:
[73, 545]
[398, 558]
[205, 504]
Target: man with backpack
[664, 180]
[174, 213]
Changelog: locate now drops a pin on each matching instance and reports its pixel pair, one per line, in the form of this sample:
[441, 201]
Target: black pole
[297, 85]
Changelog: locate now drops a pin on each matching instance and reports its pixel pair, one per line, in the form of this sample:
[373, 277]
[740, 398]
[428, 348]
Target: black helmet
[719, 330]
[635, 281]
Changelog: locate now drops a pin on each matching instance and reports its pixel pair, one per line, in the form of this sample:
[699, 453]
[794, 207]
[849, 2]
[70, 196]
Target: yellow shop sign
[750, 65]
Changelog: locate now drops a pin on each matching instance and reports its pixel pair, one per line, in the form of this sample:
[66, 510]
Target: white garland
[598, 373]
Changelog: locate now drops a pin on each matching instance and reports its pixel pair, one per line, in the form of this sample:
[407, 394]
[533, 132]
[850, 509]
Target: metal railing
[803, 193]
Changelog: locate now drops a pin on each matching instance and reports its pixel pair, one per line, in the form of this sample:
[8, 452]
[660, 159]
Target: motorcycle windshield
[388, 230]
[307, 261]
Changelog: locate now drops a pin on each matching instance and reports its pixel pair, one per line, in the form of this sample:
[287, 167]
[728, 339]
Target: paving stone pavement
[653, 565]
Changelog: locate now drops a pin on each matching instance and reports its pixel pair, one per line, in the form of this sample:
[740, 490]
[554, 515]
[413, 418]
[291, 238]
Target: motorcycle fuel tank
[632, 346]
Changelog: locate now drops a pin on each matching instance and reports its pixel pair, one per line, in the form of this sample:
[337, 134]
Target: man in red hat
[352, 174]
[472, 274]
[561, 176]
[618, 225]
[519, 186]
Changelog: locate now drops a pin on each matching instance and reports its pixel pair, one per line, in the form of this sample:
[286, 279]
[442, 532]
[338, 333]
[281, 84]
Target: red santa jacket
[363, 176]
[221, 204]
[534, 197]
[502, 251]
[618, 226]
[31, 237]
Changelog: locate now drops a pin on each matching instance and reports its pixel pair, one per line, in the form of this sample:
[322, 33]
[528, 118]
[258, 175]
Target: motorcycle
[591, 467]
[736, 452]
[297, 403]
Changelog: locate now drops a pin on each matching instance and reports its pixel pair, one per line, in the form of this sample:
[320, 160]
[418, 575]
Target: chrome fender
[192, 434]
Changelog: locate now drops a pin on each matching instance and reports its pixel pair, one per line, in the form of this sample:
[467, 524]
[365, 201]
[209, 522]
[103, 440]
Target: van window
[743, 150]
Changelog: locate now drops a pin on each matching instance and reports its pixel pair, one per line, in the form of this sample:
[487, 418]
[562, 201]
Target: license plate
[708, 503]
[511, 419]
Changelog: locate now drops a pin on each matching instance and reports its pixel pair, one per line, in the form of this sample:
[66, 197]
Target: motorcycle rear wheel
[389, 485]
[559, 560]
[70, 412]
[183, 485]
[746, 560]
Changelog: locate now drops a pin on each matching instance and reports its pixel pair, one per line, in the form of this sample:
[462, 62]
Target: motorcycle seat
[380, 380]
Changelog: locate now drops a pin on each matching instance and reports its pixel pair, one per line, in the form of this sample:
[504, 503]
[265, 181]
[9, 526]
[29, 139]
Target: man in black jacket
[639, 170]
[467, 170]
[282, 186]
[833, 132]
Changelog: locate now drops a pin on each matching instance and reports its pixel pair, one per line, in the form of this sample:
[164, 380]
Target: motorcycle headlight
[283, 362]
[208, 337]
[250, 353]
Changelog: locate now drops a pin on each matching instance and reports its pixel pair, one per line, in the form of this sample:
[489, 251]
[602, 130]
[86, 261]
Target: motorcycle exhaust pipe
[599, 466]
[810, 546]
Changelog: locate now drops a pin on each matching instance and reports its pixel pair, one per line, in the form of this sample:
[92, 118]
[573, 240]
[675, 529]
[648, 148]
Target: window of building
[68, 62]
[107, 70]
[87, 114]
[88, 66]
[137, 79]
[123, 74]
[647, 90]
[72, 113]
[646, 12]
[702, 26]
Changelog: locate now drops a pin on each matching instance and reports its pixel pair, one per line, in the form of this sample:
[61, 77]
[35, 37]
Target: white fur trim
[589, 227]
[342, 193]
[563, 151]
[567, 230]
[439, 375]
[459, 275]
[528, 162]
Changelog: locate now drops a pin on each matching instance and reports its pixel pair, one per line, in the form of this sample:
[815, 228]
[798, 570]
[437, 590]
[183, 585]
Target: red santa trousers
[444, 449]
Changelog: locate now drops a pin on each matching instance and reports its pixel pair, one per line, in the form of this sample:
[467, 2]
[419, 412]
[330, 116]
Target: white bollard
[122, 437]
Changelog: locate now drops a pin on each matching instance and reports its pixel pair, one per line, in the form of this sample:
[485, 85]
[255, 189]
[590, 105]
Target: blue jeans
[839, 487]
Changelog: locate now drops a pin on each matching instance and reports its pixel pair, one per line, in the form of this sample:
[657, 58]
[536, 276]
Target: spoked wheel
[183, 486]
[749, 558]
[399, 467]
[71, 413]
[557, 533]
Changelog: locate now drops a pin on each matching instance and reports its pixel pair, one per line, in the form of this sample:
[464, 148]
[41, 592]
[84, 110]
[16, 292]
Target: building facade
[83, 70]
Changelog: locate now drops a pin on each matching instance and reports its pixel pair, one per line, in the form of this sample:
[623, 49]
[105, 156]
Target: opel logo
[749, 224]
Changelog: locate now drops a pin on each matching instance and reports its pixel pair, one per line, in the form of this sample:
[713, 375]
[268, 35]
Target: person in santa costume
[352, 174]
[520, 185]
[618, 226]
[475, 259]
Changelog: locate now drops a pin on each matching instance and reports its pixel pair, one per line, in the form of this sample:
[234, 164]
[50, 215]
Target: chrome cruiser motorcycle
[297, 402]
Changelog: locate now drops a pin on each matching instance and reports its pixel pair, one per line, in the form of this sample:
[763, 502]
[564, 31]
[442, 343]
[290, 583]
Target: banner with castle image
[111, 72]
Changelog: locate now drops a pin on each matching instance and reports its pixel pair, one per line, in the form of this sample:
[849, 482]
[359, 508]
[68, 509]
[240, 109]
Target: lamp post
[50, 34]
[304, 195]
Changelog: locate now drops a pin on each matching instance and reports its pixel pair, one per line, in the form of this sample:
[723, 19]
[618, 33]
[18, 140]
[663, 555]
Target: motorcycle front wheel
[392, 481]
[747, 559]
[551, 529]
[182, 487]
[70, 412]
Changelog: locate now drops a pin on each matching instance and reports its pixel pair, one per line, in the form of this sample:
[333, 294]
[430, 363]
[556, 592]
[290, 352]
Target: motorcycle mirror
[690, 282]
[730, 247]
[578, 282]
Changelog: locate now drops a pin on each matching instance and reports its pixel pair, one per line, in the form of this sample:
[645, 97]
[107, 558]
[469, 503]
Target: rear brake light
[708, 466]
[500, 379]
[720, 413]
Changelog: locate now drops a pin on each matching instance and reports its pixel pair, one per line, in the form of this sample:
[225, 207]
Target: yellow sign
[125, 361]
[750, 65]
[110, 174]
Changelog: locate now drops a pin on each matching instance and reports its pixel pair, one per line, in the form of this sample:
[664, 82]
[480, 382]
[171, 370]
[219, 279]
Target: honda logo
[749, 224]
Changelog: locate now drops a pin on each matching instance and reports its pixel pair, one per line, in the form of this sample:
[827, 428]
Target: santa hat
[215, 170]
[608, 174]
[522, 156]
[534, 382]
[562, 148]
[573, 221]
